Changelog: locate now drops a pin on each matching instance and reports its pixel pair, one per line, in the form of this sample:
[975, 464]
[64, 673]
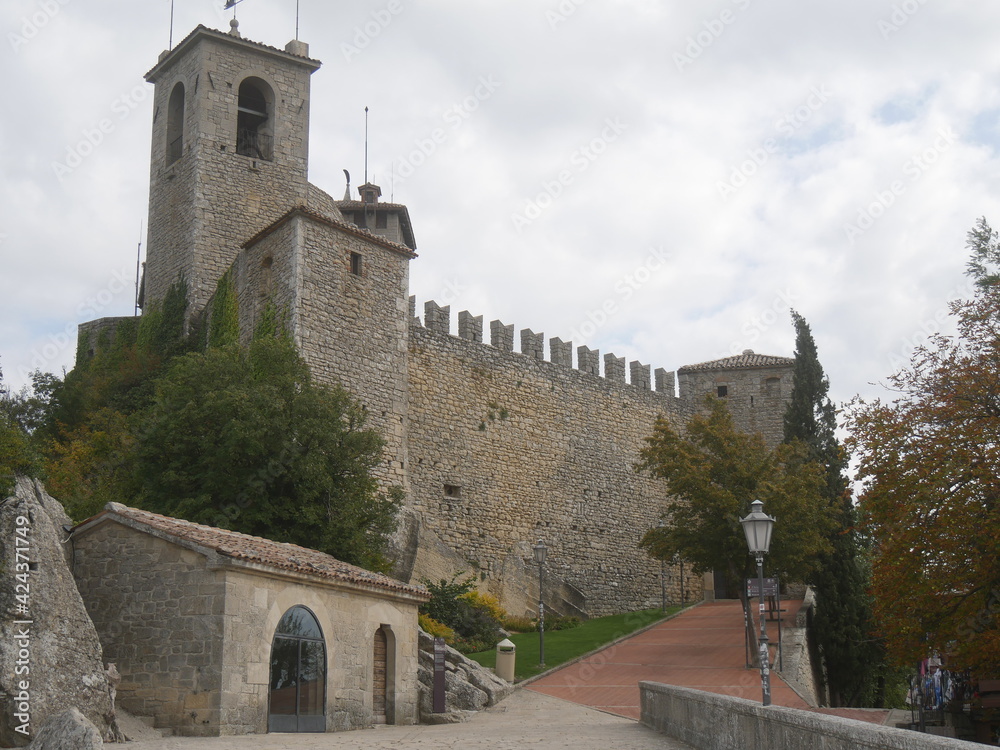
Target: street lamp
[678, 559]
[539, 551]
[758, 526]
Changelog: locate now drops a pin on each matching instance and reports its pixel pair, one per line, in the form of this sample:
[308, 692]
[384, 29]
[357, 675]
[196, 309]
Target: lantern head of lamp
[758, 526]
[539, 551]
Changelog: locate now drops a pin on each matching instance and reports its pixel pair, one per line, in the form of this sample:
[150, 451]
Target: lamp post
[679, 559]
[539, 551]
[758, 526]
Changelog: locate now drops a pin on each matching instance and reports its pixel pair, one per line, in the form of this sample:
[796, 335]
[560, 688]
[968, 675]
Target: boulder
[69, 730]
[57, 661]
[469, 687]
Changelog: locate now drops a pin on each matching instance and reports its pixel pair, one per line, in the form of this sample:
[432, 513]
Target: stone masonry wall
[158, 612]
[348, 619]
[507, 448]
[265, 273]
[353, 329]
[756, 396]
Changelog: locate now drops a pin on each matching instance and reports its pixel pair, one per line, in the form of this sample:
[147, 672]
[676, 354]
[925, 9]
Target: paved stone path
[525, 719]
[702, 648]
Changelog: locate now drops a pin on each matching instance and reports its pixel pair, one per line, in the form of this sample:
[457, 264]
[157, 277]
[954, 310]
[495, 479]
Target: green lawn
[562, 646]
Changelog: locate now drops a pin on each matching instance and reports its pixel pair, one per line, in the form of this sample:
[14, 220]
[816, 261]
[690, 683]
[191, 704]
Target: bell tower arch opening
[175, 124]
[254, 119]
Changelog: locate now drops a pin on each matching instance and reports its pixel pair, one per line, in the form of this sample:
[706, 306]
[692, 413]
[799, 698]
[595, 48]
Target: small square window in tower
[356, 264]
[452, 490]
[722, 391]
[381, 220]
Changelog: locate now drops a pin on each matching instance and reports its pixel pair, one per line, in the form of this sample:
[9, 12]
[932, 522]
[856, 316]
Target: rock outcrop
[69, 730]
[55, 659]
[469, 687]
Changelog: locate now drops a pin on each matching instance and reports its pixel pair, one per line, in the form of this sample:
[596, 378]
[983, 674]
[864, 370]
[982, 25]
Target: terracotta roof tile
[280, 555]
[746, 360]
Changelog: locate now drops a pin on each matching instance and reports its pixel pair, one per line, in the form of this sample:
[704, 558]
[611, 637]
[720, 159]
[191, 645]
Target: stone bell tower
[229, 154]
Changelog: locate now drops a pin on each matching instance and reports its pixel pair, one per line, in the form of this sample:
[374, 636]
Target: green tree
[930, 465]
[245, 439]
[842, 626]
[713, 471]
[17, 453]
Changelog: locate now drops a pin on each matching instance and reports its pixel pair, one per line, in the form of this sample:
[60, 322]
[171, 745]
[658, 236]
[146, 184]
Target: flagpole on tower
[171, 44]
[296, 20]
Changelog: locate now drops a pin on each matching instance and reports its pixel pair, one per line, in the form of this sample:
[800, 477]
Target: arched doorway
[379, 681]
[384, 676]
[297, 699]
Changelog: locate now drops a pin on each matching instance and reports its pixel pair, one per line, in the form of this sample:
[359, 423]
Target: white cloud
[734, 260]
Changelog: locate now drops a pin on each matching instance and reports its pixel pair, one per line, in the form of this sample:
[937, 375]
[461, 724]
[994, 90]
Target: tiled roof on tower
[746, 360]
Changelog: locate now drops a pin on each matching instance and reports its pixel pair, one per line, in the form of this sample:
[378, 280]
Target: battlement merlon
[470, 327]
[532, 344]
[502, 336]
[437, 319]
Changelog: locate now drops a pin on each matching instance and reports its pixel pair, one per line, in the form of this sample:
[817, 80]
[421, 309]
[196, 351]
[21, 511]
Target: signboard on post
[439, 670]
[770, 587]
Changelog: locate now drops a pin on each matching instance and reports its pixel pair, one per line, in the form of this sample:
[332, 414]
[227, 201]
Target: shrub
[467, 612]
[486, 602]
[517, 624]
[559, 622]
[437, 629]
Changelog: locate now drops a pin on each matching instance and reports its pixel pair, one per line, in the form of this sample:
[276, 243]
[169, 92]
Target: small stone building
[220, 633]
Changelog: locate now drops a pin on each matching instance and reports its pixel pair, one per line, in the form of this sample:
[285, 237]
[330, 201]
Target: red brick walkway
[702, 648]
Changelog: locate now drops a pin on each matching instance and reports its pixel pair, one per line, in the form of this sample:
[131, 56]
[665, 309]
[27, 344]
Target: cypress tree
[841, 623]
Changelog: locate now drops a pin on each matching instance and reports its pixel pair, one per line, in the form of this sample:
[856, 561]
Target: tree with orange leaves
[930, 468]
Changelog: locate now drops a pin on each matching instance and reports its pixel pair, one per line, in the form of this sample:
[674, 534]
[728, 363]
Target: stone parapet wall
[506, 448]
[159, 615]
[707, 721]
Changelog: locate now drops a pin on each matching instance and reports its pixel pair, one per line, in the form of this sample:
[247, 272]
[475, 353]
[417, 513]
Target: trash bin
[506, 652]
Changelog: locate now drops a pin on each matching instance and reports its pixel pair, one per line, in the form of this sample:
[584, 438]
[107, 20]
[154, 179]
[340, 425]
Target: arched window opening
[175, 124]
[254, 133]
[298, 674]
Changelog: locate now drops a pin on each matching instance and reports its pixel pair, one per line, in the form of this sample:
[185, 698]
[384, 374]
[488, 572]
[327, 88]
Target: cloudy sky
[661, 180]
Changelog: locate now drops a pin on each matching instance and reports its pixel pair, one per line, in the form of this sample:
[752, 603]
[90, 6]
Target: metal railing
[255, 144]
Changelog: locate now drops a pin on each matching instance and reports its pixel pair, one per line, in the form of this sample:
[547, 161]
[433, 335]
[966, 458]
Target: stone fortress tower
[495, 448]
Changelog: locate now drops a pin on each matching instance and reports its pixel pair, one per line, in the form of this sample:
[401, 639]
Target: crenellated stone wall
[508, 447]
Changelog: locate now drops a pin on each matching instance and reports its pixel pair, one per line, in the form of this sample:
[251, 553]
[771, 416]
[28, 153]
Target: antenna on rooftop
[170, 44]
[366, 145]
[296, 20]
